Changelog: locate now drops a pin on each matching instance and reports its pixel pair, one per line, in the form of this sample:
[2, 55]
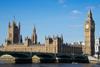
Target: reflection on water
[89, 65]
[49, 65]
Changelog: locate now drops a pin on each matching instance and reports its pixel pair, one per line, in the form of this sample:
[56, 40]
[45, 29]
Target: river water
[49, 65]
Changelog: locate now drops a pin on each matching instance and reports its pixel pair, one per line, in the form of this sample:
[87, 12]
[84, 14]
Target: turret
[13, 35]
[34, 36]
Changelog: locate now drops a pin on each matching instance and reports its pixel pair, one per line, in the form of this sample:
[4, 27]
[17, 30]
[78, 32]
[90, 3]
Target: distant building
[97, 46]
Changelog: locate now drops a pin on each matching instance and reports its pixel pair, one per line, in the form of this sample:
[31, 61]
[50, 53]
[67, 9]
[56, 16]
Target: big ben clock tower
[90, 35]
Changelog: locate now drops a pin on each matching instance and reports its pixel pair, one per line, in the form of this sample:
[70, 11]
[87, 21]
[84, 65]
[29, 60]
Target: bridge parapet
[43, 57]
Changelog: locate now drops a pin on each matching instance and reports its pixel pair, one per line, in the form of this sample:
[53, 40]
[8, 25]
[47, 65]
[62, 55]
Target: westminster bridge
[36, 57]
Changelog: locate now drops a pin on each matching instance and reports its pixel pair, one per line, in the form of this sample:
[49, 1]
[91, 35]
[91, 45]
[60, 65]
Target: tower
[90, 35]
[13, 33]
[34, 36]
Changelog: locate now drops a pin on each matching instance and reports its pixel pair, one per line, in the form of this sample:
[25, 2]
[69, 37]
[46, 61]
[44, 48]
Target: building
[54, 44]
[75, 48]
[14, 36]
[14, 41]
[97, 46]
[89, 35]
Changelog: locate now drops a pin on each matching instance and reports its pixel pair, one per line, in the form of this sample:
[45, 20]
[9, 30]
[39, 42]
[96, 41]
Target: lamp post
[98, 52]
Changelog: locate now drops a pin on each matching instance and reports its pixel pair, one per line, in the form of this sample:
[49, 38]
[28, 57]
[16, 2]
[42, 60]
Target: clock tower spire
[90, 35]
[90, 14]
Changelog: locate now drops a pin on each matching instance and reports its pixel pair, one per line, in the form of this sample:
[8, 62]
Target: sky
[50, 17]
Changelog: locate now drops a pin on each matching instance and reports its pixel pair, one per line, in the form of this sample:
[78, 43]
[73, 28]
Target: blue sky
[51, 17]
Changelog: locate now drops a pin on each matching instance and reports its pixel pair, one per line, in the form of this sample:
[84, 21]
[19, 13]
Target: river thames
[49, 65]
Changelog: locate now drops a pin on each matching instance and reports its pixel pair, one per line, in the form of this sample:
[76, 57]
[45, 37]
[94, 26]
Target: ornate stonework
[53, 44]
[90, 35]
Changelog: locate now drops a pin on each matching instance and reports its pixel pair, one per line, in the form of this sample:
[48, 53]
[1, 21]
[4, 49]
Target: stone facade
[53, 44]
[13, 33]
[90, 35]
[72, 49]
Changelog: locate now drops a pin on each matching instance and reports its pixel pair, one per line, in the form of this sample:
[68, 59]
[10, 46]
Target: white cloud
[61, 1]
[76, 12]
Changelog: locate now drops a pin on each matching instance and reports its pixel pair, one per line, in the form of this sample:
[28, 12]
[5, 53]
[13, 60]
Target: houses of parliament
[54, 44]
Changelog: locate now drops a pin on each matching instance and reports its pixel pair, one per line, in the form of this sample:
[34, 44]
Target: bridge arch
[6, 58]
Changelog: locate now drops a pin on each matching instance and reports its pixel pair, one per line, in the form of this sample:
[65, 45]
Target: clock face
[87, 26]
